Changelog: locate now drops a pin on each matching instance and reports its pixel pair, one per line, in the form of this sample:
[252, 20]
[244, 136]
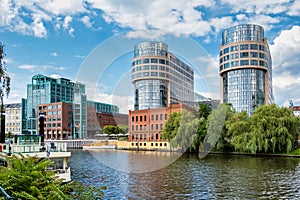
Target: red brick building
[58, 120]
[147, 125]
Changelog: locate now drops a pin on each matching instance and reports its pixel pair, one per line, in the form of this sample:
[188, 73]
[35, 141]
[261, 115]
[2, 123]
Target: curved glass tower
[159, 77]
[245, 68]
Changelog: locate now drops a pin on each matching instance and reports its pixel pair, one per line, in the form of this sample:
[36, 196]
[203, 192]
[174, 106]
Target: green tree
[186, 131]
[29, 178]
[4, 78]
[123, 129]
[271, 129]
[171, 126]
[197, 140]
[109, 129]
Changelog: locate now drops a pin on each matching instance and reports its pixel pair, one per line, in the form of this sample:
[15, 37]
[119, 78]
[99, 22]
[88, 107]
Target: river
[154, 175]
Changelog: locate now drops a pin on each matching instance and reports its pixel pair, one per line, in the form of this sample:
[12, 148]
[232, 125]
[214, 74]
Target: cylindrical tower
[159, 77]
[245, 68]
[148, 75]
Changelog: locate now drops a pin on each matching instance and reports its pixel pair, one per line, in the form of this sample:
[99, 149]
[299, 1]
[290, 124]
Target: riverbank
[259, 154]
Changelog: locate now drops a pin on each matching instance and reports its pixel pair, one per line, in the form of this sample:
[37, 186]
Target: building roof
[13, 105]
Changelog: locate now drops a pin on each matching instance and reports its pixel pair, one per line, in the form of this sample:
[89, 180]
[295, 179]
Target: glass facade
[245, 68]
[151, 94]
[244, 88]
[159, 77]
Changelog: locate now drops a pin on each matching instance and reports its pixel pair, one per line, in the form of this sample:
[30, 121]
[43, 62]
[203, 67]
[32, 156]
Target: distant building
[296, 111]
[58, 122]
[147, 125]
[47, 90]
[245, 68]
[13, 118]
[159, 77]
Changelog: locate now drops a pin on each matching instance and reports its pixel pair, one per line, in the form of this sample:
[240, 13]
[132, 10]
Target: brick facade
[147, 125]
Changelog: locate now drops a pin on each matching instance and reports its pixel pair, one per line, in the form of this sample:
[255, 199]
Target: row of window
[144, 136]
[150, 60]
[141, 127]
[243, 63]
[52, 125]
[145, 144]
[242, 55]
[242, 47]
[157, 116]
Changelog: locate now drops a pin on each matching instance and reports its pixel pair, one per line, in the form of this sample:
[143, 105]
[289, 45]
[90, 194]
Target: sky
[92, 41]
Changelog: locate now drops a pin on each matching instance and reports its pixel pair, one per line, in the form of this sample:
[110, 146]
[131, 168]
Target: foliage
[269, 129]
[4, 78]
[188, 124]
[123, 129]
[109, 129]
[197, 140]
[217, 134]
[171, 126]
[29, 178]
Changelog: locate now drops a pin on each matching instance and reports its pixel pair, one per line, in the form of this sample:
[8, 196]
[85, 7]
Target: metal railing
[6, 196]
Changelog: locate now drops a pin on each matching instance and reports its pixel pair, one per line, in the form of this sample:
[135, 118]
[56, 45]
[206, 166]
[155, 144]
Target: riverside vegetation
[29, 178]
[270, 129]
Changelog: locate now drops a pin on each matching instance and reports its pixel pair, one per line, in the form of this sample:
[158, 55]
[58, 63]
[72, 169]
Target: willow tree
[4, 90]
[4, 78]
[271, 129]
[186, 131]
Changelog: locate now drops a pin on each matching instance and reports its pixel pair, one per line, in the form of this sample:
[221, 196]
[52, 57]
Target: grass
[295, 152]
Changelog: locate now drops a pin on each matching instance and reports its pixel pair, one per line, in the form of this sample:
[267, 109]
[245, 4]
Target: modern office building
[47, 90]
[159, 77]
[245, 68]
[13, 118]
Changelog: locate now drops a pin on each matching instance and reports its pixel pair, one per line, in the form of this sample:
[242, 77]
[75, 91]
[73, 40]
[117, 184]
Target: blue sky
[92, 41]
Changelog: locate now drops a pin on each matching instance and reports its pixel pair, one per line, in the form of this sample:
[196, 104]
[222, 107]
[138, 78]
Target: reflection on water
[215, 177]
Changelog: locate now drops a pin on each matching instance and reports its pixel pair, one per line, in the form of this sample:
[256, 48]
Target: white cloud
[86, 20]
[71, 32]
[171, 17]
[39, 29]
[67, 21]
[57, 7]
[286, 62]
[258, 6]
[124, 103]
[8, 60]
[285, 50]
[53, 54]
[79, 56]
[294, 9]
[55, 76]
[28, 67]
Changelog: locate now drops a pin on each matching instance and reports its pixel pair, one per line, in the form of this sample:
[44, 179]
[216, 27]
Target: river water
[153, 175]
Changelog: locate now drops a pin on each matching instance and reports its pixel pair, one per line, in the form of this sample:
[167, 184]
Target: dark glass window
[244, 62]
[253, 54]
[254, 46]
[244, 46]
[244, 55]
[154, 60]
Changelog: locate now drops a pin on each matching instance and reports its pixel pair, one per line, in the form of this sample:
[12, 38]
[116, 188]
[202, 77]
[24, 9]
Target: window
[141, 118]
[166, 116]
[136, 127]
[136, 118]
[254, 46]
[244, 62]
[141, 127]
[145, 118]
[233, 48]
[253, 62]
[161, 126]
[146, 60]
[226, 50]
[154, 60]
[161, 116]
[244, 55]
[156, 126]
[132, 119]
[156, 117]
[152, 117]
[261, 47]
[132, 127]
[152, 127]
[261, 55]
[161, 61]
[244, 46]
[253, 54]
